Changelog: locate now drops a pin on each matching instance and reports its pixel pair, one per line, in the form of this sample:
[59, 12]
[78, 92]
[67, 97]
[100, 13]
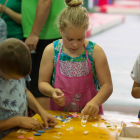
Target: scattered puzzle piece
[22, 131]
[58, 118]
[40, 131]
[83, 125]
[86, 132]
[69, 116]
[75, 115]
[59, 133]
[47, 128]
[37, 134]
[57, 126]
[63, 125]
[63, 120]
[66, 121]
[95, 125]
[56, 137]
[20, 137]
[83, 121]
[30, 138]
[70, 129]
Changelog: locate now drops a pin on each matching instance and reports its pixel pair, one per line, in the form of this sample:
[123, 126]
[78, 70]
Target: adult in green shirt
[10, 11]
[38, 21]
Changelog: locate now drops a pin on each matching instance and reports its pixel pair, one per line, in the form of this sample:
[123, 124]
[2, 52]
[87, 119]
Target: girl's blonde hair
[74, 15]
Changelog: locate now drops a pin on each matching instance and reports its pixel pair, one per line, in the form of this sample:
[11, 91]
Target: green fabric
[49, 30]
[82, 57]
[13, 28]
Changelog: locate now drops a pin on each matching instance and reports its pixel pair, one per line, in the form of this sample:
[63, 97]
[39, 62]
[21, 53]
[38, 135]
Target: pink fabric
[20, 137]
[79, 90]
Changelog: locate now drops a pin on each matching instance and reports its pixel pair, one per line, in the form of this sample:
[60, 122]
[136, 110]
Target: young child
[15, 65]
[73, 69]
[135, 74]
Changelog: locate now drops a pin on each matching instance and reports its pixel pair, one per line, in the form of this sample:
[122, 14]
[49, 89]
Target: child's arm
[24, 122]
[135, 74]
[104, 76]
[45, 74]
[34, 105]
[136, 90]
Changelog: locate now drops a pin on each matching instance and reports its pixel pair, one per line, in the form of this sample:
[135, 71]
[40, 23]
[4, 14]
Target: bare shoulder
[49, 48]
[49, 51]
[98, 52]
[86, 42]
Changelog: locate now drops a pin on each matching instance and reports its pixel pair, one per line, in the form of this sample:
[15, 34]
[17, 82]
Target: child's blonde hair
[74, 15]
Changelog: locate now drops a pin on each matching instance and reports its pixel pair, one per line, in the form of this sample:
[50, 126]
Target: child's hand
[29, 123]
[58, 97]
[48, 119]
[90, 109]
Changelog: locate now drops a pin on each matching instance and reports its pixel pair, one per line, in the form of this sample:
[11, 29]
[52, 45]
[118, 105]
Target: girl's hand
[48, 119]
[58, 97]
[2, 8]
[90, 109]
[29, 123]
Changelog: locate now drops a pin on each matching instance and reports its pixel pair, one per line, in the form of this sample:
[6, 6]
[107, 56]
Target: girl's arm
[45, 75]
[103, 74]
[46, 70]
[12, 14]
[136, 90]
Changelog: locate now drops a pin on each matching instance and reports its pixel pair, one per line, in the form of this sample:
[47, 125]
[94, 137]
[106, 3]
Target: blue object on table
[59, 116]
[40, 131]
[47, 128]
[37, 134]
[139, 115]
[63, 120]
[69, 116]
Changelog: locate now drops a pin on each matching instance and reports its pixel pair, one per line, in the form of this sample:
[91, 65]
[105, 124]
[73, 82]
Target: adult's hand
[32, 41]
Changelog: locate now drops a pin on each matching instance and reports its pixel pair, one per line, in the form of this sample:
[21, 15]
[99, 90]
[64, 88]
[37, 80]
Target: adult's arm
[42, 11]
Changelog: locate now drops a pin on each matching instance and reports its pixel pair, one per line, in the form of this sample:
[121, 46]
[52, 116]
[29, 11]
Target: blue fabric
[3, 30]
[13, 100]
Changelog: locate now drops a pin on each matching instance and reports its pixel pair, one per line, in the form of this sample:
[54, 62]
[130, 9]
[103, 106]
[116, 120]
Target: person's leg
[36, 59]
